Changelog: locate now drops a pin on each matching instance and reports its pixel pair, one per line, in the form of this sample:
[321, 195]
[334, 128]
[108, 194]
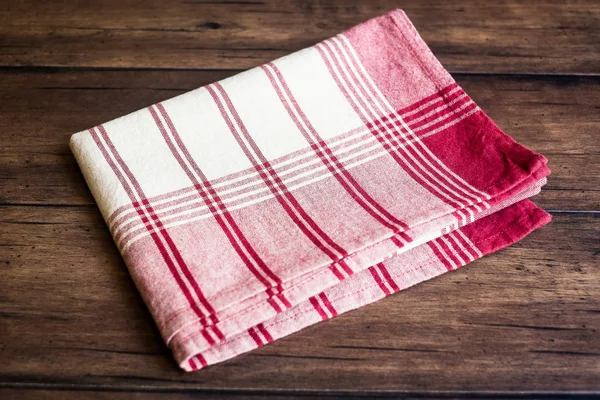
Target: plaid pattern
[312, 185]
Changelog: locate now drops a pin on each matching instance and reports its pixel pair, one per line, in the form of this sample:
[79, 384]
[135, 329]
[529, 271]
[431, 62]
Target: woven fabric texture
[288, 194]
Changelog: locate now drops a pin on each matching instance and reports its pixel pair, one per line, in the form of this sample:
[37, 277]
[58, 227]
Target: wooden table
[522, 323]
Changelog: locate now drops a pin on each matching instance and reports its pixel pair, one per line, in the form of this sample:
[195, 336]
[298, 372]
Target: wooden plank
[99, 393]
[477, 36]
[526, 318]
[557, 117]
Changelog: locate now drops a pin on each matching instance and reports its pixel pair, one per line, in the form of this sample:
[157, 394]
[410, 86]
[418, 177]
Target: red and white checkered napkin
[314, 184]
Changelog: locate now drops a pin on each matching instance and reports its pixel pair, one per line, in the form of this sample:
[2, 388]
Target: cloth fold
[288, 194]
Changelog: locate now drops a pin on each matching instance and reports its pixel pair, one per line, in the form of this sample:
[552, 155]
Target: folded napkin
[325, 180]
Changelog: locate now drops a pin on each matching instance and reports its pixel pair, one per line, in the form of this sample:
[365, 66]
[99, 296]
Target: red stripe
[254, 336]
[379, 281]
[345, 267]
[265, 333]
[437, 118]
[386, 274]
[467, 246]
[333, 268]
[205, 187]
[442, 257]
[397, 241]
[202, 360]
[208, 337]
[424, 100]
[438, 100]
[285, 301]
[440, 111]
[216, 199]
[216, 331]
[326, 155]
[317, 306]
[273, 303]
[183, 266]
[155, 237]
[328, 304]
[449, 252]
[456, 250]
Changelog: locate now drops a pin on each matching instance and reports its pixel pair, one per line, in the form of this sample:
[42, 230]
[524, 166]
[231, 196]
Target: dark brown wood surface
[522, 323]
[554, 36]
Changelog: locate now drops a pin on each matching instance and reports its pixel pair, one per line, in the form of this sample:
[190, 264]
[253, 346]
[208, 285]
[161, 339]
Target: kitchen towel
[325, 180]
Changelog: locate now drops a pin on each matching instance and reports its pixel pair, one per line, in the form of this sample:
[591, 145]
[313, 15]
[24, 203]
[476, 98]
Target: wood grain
[476, 36]
[166, 394]
[525, 318]
[558, 117]
[77, 394]
[523, 323]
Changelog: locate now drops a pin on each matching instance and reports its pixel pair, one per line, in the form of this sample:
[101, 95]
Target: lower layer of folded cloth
[314, 298]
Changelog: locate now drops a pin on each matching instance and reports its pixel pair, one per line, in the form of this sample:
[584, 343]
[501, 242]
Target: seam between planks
[475, 394]
[59, 68]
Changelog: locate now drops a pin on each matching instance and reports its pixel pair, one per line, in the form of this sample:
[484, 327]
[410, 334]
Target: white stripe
[453, 250]
[323, 307]
[261, 335]
[471, 244]
[424, 106]
[457, 242]
[438, 109]
[450, 123]
[455, 111]
[463, 217]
